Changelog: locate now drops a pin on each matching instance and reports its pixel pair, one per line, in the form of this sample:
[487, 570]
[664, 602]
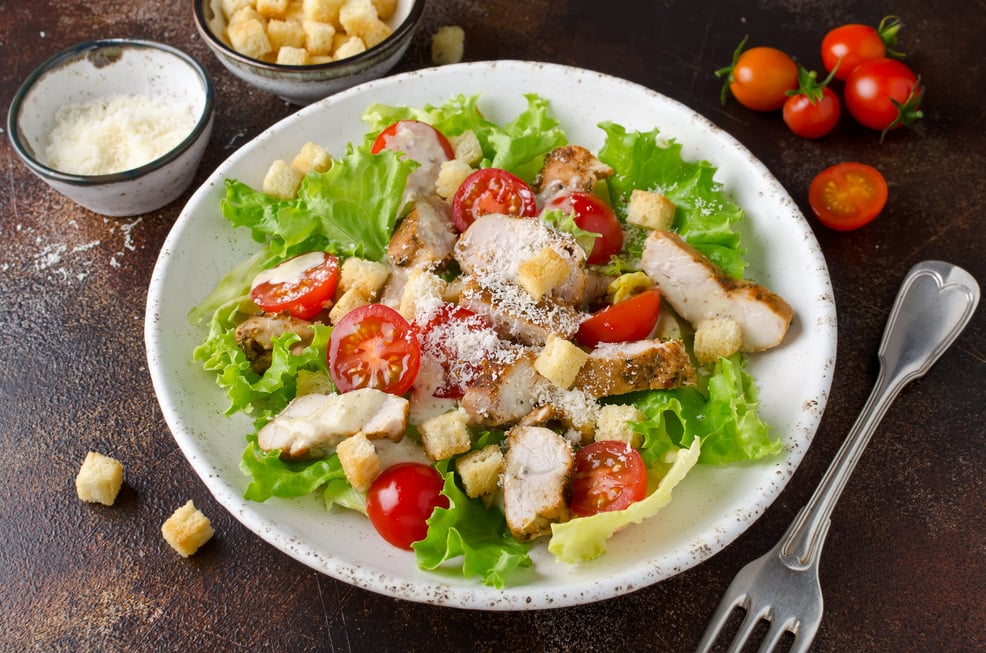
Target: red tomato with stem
[373, 346]
[813, 110]
[848, 46]
[883, 95]
[759, 78]
[301, 286]
[594, 215]
[630, 320]
[848, 195]
[401, 499]
[459, 340]
[491, 190]
[609, 475]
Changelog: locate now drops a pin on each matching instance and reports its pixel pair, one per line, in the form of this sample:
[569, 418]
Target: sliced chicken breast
[255, 336]
[516, 316]
[698, 290]
[504, 393]
[569, 168]
[312, 425]
[537, 466]
[425, 237]
[621, 367]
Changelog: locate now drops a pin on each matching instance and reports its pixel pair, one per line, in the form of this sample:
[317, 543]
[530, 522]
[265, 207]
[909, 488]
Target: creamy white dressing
[419, 142]
[290, 272]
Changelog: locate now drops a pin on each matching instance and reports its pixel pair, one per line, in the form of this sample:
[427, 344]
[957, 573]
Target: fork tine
[777, 630]
[750, 621]
[723, 611]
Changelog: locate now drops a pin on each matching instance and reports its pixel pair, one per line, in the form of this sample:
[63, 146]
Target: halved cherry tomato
[850, 45]
[301, 286]
[632, 319]
[456, 337]
[883, 94]
[847, 196]
[609, 475]
[491, 190]
[401, 499]
[593, 215]
[419, 134]
[759, 77]
[373, 346]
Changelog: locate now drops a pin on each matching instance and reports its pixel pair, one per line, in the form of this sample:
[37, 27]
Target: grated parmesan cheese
[116, 133]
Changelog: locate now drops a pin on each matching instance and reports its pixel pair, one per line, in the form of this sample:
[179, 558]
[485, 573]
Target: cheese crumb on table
[99, 479]
[187, 529]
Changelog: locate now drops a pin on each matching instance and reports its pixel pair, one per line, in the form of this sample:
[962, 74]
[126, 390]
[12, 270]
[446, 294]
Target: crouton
[349, 300]
[282, 180]
[650, 210]
[359, 460]
[717, 337]
[445, 435]
[560, 361]
[231, 7]
[287, 56]
[447, 45]
[424, 289]
[612, 423]
[360, 274]
[467, 147]
[349, 47]
[249, 37]
[323, 11]
[312, 158]
[480, 470]
[542, 273]
[359, 18]
[100, 479]
[285, 34]
[244, 14]
[450, 177]
[272, 8]
[319, 37]
[187, 530]
[385, 8]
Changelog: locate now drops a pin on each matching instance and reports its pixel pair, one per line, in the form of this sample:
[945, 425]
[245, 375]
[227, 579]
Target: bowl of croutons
[305, 50]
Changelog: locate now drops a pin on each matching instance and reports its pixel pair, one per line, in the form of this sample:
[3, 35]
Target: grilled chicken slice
[537, 466]
[312, 425]
[621, 367]
[255, 336]
[515, 316]
[569, 168]
[425, 237]
[698, 290]
[494, 246]
[504, 393]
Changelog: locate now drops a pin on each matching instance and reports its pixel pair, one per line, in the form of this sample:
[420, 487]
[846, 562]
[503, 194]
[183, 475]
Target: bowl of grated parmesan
[117, 125]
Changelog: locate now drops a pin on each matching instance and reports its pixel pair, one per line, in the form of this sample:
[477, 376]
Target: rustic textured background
[903, 567]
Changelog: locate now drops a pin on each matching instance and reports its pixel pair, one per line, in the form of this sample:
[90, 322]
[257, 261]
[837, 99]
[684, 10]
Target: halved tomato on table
[373, 346]
[609, 475]
[492, 190]
[301, 286]
[847, 195]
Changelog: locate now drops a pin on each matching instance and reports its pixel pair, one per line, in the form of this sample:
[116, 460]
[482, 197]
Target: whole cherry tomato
[884, 94]
[759, 78]
[848, 195]
[401, 499]
[847, 46]
[813, 110]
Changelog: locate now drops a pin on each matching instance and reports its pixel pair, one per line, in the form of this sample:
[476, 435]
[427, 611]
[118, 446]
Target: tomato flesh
[459, 340]
[630, 320]
[491, 190]
[761, 78]
[401, 499]
[301, 286]
[882, 94]
[848, 195]
[593, 215]
[609, 475]
[373, 346]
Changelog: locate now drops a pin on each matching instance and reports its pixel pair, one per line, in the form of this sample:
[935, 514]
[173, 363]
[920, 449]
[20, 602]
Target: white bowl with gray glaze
[303, 85]
[106, 68]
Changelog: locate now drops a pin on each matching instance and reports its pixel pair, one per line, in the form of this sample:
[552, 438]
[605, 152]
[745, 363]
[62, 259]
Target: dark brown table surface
[903, 568]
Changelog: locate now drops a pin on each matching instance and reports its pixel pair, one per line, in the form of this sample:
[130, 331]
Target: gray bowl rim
[82, 50]
[407, 25]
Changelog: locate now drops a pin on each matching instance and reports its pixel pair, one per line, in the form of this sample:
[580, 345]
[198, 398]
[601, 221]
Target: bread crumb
[448, 45]
[100, 479]
[187, 530]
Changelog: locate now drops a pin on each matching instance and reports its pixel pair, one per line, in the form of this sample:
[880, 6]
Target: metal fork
[934, 304]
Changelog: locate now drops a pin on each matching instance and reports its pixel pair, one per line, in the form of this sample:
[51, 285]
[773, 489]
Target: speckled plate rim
[711, 507]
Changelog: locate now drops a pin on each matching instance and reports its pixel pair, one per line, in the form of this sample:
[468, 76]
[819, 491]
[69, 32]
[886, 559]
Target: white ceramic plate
[711, 507]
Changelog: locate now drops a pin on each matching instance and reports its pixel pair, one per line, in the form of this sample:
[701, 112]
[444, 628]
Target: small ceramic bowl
[305, 84]
[132, 74]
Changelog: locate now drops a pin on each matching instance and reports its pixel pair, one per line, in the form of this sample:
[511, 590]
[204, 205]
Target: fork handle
[933, 306]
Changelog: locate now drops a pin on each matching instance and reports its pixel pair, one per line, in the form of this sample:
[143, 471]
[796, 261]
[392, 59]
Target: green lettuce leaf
[273, 477]
[584, 538]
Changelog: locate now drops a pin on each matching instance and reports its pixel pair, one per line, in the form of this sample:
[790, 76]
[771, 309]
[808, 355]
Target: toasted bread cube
[319, 37]
[650, 210]
[467, 147]
[245, 13]
[292, 56]
[445, 435]
[312, 158]
[423, 290]
[385, 8]
[231, 7]
[282, 180]
[357, 17]
[450, 177]
[359, 460]
[349, 47]
[360, 274]
[320, 58]
[295, 12]
[100, 479]
[447, 45]
[347, 301]
[613, 423]
[542, 273]
[717, 337]
[285, 34]
[480, 470]
[323, 11]
[560, 361]
[272, 8]
[187, 530]
[249, 38]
